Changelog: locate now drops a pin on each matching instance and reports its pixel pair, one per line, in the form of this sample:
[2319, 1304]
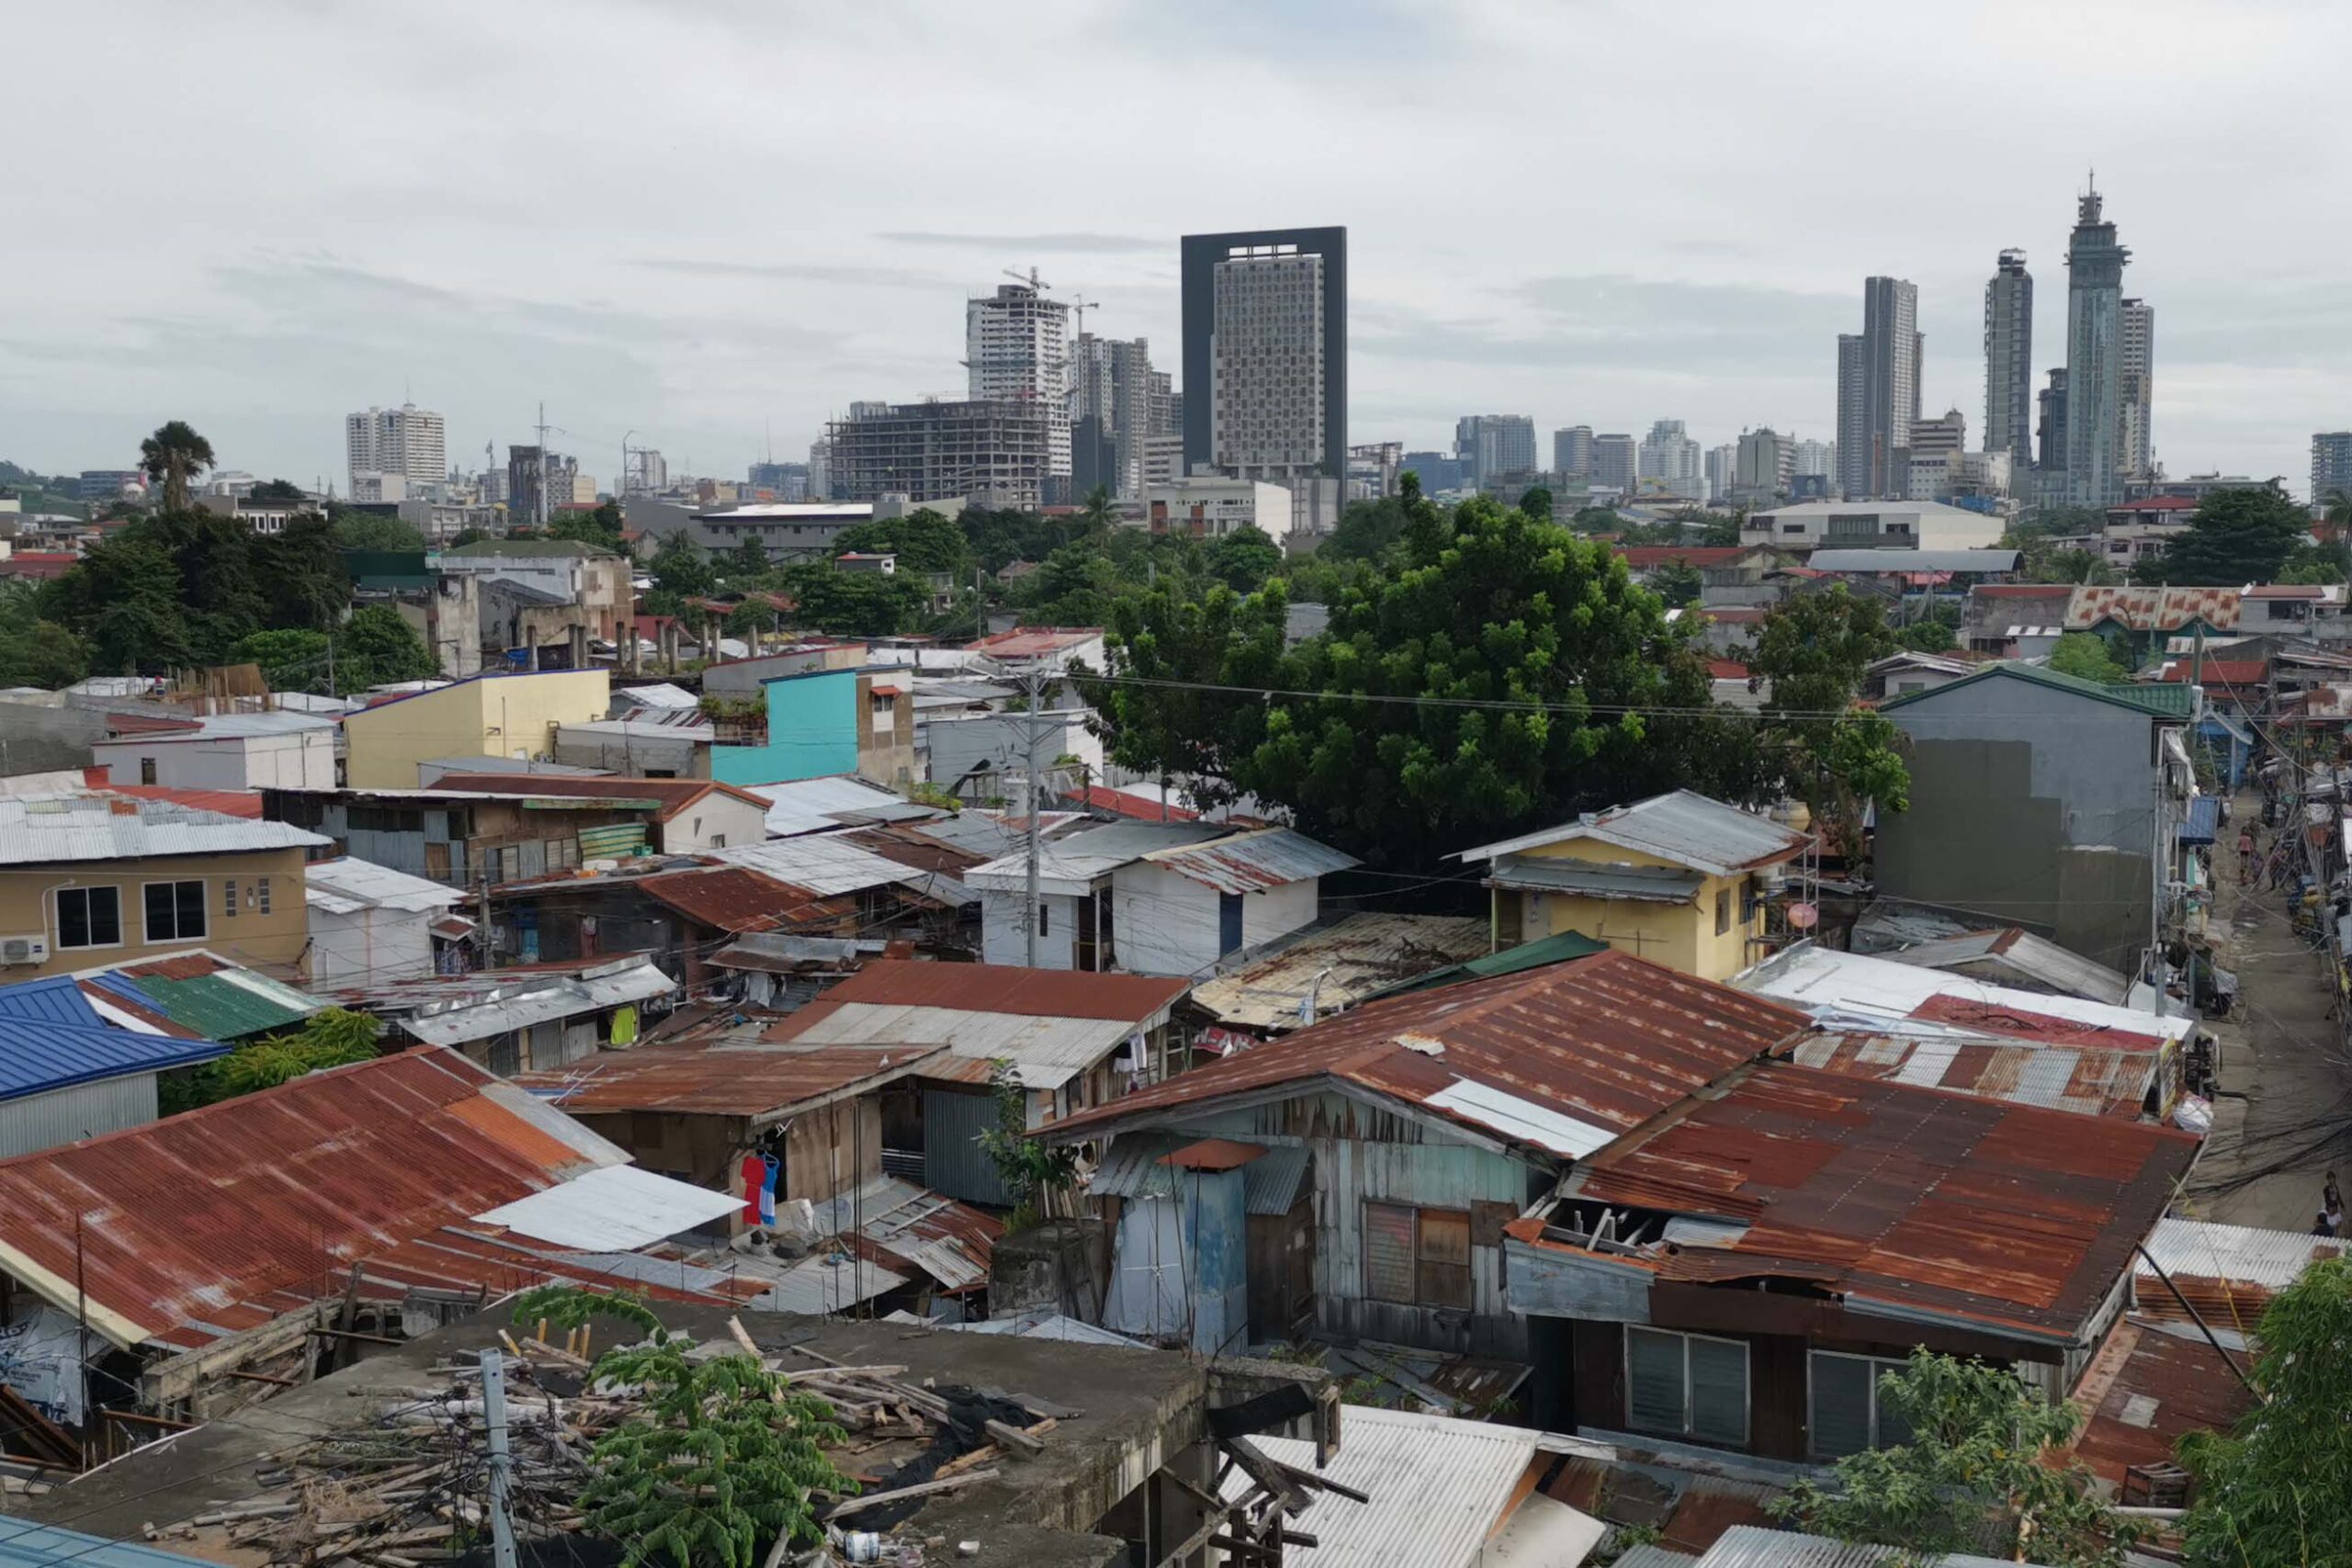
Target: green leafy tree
[335, 1037]
[1027, 1169]
[1242, 559]
[1597, 520]
[374, 531]
[746, 566]
[1679, 584]
[303, 574]
[856, 604]
[1980, 1462]
[170, 457]
[2070, 565]
[2273, 1490]
[1928, 636]
[467, 536]
[2235, 536]
[923, 541]
[1368, 530]
[292, 659]
[1831, 753]
[377, 648]
[2085, 655]
[123, 600]
[1098, 515]
[681, 571]
[600, 524]
[282, 491]
[1001, 536]
[1074, 586]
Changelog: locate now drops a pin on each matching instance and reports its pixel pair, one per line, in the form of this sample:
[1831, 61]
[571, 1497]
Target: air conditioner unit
[24, 950]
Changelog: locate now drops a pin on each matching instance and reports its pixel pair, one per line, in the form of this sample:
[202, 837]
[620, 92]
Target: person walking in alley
[2246, 855]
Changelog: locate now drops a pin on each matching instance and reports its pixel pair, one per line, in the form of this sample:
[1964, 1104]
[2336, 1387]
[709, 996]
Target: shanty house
[370, 922]
[498, 716]
[1073, 1041]
[829, 721]
[1077, 918]
[679, 910]
[1327, 970]
[528, 1018]
[1678, 878]
[233, 751]
[1414, 1129]
[682, 815]
[2043, 799]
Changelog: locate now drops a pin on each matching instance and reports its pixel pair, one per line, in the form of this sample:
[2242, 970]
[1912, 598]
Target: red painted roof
[243, 802]
[1002, 987]
[1726, 670]
[2009, 1214]
[1606, 1042]
[2221, 671]
[147, 724]
[221, 1219]
[1100, 797]
[1029, 642]
[736, 898]
[1993, 1018]
[43, 564]
[674, 795]
[2144, 1390]
[1644, 558]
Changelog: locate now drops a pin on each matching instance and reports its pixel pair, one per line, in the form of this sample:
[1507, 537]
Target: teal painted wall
[812, 732]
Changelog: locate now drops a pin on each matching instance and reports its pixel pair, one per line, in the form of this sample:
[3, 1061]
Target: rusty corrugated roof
[670, 796]
[2152, 609]
[2087, 1080]
[1916, 1198]
[1562, 1058]
[751, 1081]
[736, 898]
[1007, 988]
[2147, 1389]
[223, 1218]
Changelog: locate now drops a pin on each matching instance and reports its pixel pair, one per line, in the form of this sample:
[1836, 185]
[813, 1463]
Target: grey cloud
[794, 271]
[1623, 322]
[1095, 245]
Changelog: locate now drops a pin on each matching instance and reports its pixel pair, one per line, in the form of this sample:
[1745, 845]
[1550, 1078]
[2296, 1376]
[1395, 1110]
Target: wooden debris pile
[407, 1482]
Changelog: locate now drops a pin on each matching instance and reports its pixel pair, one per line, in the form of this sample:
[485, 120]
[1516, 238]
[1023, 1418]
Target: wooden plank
[857, 1505]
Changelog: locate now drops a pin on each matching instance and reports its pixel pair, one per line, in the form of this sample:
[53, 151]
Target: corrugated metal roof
[1855, 990]
[825, 1282]
[24, 1544]
[1682, 827]
[655, 694]
[2149, 1386]
[1641, 883]
[737, 899]
[821, 805]
[1138, 1000]
[2084, 1079]
[454, 1009]
[1073, 863]
[1607, 1040]
[826, 864]
[368, 886]
[779, 952]
[2153, 609]
[2235, 1267]
[2156, 701]
[1037, 1323]
[42, 831]
[57, 1000]
[667, 796]
[1045, 1052]
[2012, 952]
[616, 1208]
[1902, 1198]
[914, 1230]
[1752, 1546]
[1340, 966]
[1439, 1488]
[221, 1219]
[757, 1082]
[203, 996]
[1558, 948]
[40, 1054]
[1252, 863]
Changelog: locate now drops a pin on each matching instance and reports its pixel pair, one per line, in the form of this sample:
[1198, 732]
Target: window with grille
[229, 898]
[1417, 1257]
[1848, 1415]
[1686, 1385]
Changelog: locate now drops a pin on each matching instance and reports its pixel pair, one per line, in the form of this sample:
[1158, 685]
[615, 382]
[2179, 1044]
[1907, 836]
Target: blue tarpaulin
[2203, 821]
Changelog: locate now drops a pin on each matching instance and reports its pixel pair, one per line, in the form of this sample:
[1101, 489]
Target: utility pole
[1035, 685]
[502, 1465]
[539, 505]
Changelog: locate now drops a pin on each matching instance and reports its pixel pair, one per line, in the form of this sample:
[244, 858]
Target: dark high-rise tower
[1266, 358]
[2095, 264]
[2009, 362]
[1878, 391]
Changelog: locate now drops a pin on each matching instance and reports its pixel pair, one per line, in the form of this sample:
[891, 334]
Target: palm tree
[172, 457]
[2338, 503]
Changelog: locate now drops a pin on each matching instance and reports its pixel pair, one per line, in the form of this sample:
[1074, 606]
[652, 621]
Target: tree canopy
[377, 648]
[172, 456]
[1825, 751]
[2085, 655]
[1242, 559]
[374, 531]
[2235, 536]
[923, 541]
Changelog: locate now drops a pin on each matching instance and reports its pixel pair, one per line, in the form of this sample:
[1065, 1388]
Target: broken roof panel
[1905, 1200]
[2151, 1385]
[1857, 992]
[615, 1208]
[2227, 1272]
[1339, 966]
[1605, 1041]
[2013, 955]
[737, 899]
[2088, 1081]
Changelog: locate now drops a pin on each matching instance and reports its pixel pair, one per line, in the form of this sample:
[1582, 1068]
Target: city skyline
[313, 278]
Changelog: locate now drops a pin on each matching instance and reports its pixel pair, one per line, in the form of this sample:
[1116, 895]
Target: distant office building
[1946, 432]
[1877, 391]
[1437, 471]
[992, 451]
[783, 482]
[1572, 451]
[2008, 360]
[376, 489]
[1266, 361]
[408, 441]
[1616, 461]
[1813, 459]
[646, 471]
[1723, 466]
[1016, 348]
[1371, 469]
[2049, 431]
[106, 484]
[2095, 263]
[820, 469]
[1094, 458]
[2331, 466]
[527, 485]
[1113, 383]
[1493, 445]
[1162, 460]
[1764, 466]
[1668, 455]
[2136, 391]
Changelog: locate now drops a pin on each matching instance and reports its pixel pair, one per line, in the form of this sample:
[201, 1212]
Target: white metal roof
[342, 886]
[1069, 865]
[2246, 1253]
[1439, 1488]
[1856, 988]
[1522, 1119]
[825, 863]
[822, 1282]
[1251, 863]
[534, 998]
[658, 694]
[1046, 1052]
[1043, 1322]
[1681, 828]
[42, 829]
[1754, 1545]
[815, 805]
[618, 1208]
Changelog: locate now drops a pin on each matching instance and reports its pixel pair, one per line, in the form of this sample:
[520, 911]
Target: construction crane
[1031, 278]
[1077, 304]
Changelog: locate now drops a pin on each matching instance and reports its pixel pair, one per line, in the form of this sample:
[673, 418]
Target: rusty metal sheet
[1609, 1039]
[745, 1080]
[2090, 1081]
[1008, 988]
[735, 899]
[2144, 1390]
[2010, 1214]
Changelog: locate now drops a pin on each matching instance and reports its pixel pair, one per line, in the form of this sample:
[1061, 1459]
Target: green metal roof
[1555, 948]
[2157, 699]
[219, 1007]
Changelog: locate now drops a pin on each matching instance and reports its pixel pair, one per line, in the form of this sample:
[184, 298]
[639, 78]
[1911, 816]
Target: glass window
[1722, 911]
[146, 769]
[1848, 1413]
[229, 898]
[261, 894]
[1686, 1385]
[175, 911]
[89, 917]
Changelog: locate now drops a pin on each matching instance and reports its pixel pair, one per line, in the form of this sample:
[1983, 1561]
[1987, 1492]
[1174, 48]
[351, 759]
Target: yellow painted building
[1679, 879]
[490, 716]
[95, 880]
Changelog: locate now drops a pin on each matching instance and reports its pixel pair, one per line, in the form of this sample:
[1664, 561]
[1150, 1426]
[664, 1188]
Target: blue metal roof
[57, 1000]
[38, 1056]
[2204, 820]
[24, 1545]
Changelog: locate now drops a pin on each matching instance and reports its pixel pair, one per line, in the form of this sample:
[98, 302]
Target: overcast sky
[716, 224]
